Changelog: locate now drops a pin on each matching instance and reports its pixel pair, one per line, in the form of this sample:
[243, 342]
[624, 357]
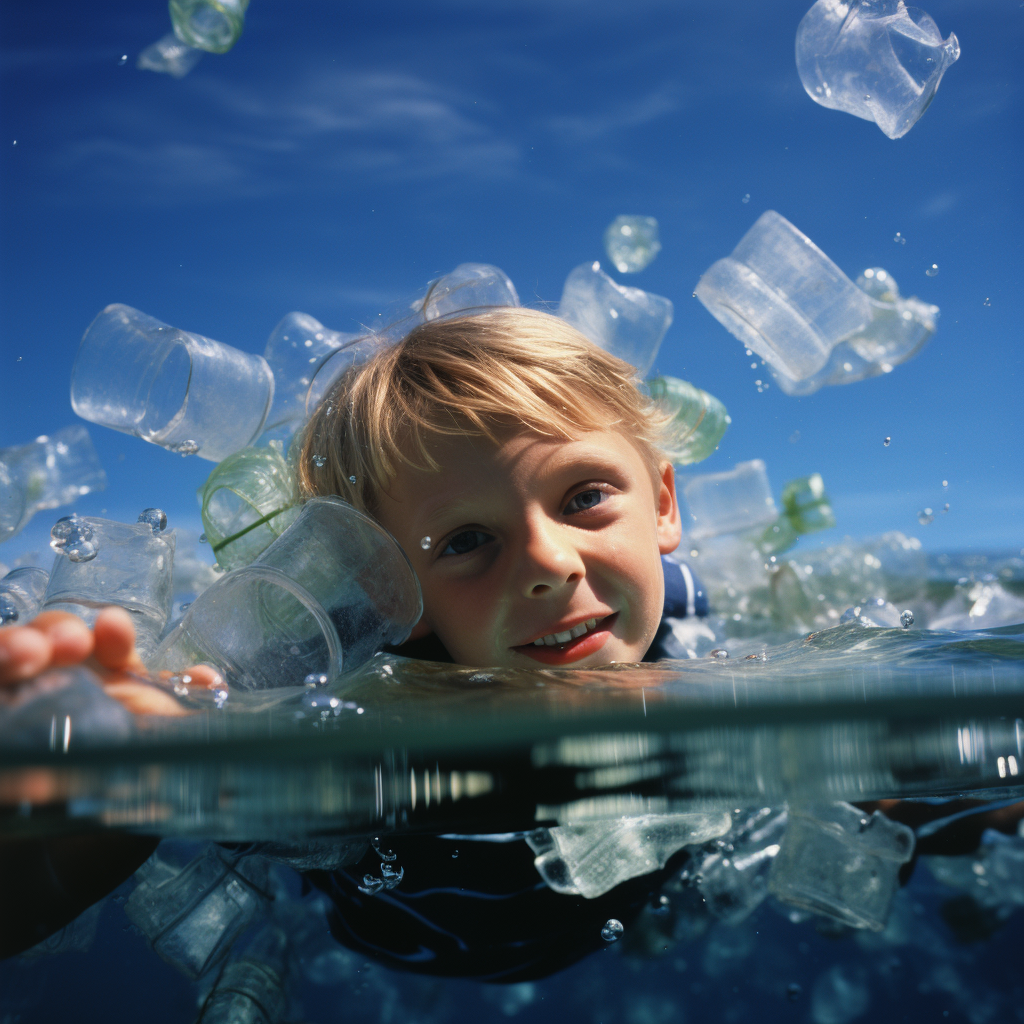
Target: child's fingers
[24, 652]
[70, 636]
[114, 641]
[142, 699]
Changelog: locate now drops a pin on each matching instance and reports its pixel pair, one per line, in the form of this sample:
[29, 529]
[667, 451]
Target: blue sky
[341, 155]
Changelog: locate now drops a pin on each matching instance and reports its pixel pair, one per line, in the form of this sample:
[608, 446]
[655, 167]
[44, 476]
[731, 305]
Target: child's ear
[420, 630]
[670, 526]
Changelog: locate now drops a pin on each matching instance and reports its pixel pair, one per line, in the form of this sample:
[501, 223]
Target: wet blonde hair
[470, 374]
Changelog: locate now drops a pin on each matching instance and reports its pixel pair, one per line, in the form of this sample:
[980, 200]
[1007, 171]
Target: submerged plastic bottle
[700, 419]
[250, 989]
[211, 25]
[248, 501]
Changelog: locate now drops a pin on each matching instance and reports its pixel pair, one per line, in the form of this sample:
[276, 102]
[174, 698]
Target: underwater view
[511, 511]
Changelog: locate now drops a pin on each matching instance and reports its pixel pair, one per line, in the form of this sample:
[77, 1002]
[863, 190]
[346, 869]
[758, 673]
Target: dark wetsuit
[476, 907]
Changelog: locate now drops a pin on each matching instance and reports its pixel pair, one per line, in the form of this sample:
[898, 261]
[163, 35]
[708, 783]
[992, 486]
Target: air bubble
[612, 930]
[907, 619]
[155, 518]
[425, 543]
[185, 448]
[932, 270]
[203, 539]
[220, 696]
[315, 679]
[719, 654]
[887, 442]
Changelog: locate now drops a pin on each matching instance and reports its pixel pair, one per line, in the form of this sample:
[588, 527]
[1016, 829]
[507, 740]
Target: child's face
[533, 537]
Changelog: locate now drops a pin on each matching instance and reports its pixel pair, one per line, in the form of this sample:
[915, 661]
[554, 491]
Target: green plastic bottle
[805, 509]
[701, 419]
[248, 501]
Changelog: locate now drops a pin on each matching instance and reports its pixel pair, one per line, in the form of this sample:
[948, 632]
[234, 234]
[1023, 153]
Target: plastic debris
[700, 419]
[170, 56]
[730, 502]
[211, 25]
[129, 565]
[632, 243]
[837, 861]
[468, 286]
[876, 59]
[61, 709]
[250, 989]
[806, 508]
[590, 858]
[627, 322]
[192, 914]
[21, 594]
[173, 388]
[51, 471]
[247, 502]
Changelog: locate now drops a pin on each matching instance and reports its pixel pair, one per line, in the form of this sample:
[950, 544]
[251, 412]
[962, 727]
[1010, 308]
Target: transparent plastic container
[632, 243]
[736, 501]
[332, 590]
[21, 594]
[179, 390]
[627, 322]
[700, 419]
[169, 56]
[51, 471]
[133, 568]
[876, 59]
[248, 501]
[211, 25]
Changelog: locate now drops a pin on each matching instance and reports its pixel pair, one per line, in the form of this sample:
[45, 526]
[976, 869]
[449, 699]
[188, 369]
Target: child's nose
[550, 560]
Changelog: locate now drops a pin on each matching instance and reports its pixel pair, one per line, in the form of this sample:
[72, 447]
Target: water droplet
[746, 198]
[932, 270]
[945, 483]
[900, 239]
[123, 59]
[925, 516]
[455, 855]
[612, 930]
[315, 679]
[425, 543]
[945, 508]
[318, 461]
[203, 539]
[371, 885]
[180, 685]
[186, 605]
[887, 441]
[907, 619]
[987, 302]
[185, 448]
[391, 876]
[793, 991]
[154, 517]
[351, 479]
[74, 538]
[220, 697]
[8, 613]
[385, 855]
[719, 654]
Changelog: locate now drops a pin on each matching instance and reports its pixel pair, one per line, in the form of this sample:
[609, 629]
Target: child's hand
[56, 639]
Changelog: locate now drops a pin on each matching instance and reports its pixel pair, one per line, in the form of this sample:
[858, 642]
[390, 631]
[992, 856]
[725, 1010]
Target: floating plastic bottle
[784, 298]
[700, 419]
[732, 502]
[51, 471]
[211, 25]
[877, 59]
[250, 989]
[839, 861]
[593, 857]
[169, 56]
[21, 594]
[247, 502]
[632, 243]
[335, 585]
[192, 915]
[130, 566]
[179, 390]
[468, 286]
[627, 322]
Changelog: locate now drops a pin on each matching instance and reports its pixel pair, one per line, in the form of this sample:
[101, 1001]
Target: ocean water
[334, 161]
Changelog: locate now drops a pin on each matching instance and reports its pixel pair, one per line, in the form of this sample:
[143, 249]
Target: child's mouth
[572, 648]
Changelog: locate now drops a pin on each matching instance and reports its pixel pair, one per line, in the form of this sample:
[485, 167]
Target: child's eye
[468, 540]
[585, 500]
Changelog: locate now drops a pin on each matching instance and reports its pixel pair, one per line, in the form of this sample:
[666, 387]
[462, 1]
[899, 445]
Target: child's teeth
[591, 623]
[563, 638]
[552, 639]
[579, 630]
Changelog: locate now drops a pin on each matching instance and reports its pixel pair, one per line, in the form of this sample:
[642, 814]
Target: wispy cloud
[598, 124]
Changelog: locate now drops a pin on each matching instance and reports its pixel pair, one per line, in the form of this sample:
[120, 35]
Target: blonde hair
[470, 374]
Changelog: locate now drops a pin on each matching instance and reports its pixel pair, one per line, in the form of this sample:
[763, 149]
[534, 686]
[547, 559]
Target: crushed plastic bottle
[875, 59]
[169, 56]
[632, 243]
[700, 419]
[627, 322]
